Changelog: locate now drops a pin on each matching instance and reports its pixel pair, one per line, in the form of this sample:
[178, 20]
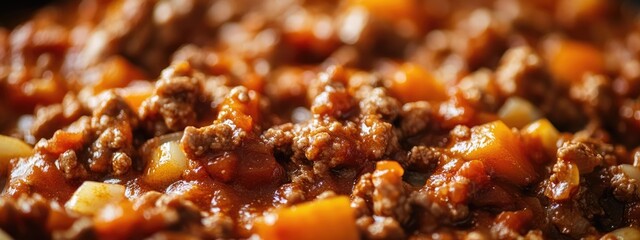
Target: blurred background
[14, 12]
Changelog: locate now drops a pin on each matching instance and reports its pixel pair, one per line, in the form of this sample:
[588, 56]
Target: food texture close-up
[314, 119]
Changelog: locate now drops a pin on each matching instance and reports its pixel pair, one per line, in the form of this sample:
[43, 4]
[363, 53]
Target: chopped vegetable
[631, 171]
[390, 166]
[626, 233]
[63, 140]
[331, 218]
[389, 10]
[117, 220]
[413, 83]
[12, 148]
[500, 150]
[92, 196]
[242, 106]
[570, 60]
[542, 132]
[166, 164]
[517, 112]
[118, 72]
[135, 95]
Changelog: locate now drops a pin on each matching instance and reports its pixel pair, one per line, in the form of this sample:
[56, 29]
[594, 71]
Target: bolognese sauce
[340, 119]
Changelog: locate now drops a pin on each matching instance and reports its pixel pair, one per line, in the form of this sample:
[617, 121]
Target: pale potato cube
[90, 197]
[625, 233]
[12, 148]
[166, 164]
[517, 112]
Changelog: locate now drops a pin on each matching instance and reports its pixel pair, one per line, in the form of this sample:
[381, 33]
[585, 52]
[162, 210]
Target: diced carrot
[475, 171]
[58, 218]
[570, 60]
[584, 9]
[117, 221]
[391, 166]
[27, 91]
[389, 10]
[413, 83]
[116, 72]
[500, 150]
[135, 95]
[331, 218]
[243, 112]
[63, 140]
[543, 133]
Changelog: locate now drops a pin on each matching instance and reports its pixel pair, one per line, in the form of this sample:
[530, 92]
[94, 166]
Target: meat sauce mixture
[352, 119]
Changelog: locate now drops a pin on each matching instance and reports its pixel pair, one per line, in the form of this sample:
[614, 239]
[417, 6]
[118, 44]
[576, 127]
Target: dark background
[13, 12]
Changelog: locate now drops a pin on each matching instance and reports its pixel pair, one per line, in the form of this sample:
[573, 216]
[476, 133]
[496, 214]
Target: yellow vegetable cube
[544, 133]
[166, 164]
[12, 148]
[517, 112]
[90, 197]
